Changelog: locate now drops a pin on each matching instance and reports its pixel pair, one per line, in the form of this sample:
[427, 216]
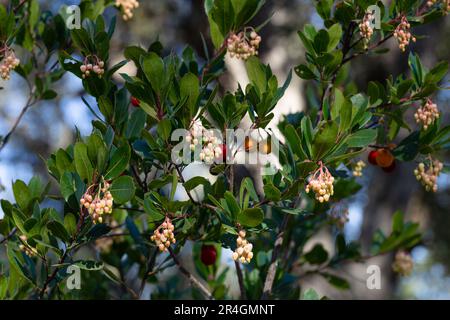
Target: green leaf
[310, 294]
[321, 41]
[22, 194]
[250, 217]
[164, 129]
[336, 281]
[70, 223]
[89, 265]
[82, 163]
[345, 114]
[58, 230]
[136, 123]
[317, 255]
[271, 192]
[118, 163]
[304, 72]
[335, 34]
[361, 138]
[189, 87]
[123, 189]
[256, 74]
[153, 67]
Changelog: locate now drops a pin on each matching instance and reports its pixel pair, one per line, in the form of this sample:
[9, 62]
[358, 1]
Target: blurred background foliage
[48, 126]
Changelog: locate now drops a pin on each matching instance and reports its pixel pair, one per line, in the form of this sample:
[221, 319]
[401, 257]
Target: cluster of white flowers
[403, 35]
[127, 8]
[100, 204]
[163, 236]
[243, 45]
[95, 66]
[365, 28]
[211, 148]
[427, 114]
[243, 252]
[25, 247]
[357, 170]
[428, 176]
[321, 183]
[8, 63]
[403, 263]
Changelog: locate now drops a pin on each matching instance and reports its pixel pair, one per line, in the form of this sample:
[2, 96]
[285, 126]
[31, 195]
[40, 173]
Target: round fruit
[135, 101]
[208, 255]
[384, 158]
[372, 158]
[390, 168]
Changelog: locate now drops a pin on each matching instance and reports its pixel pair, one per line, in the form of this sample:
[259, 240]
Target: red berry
[208, 255]
[372, 158]
[384, 158]
[135, 101]
[390, 168]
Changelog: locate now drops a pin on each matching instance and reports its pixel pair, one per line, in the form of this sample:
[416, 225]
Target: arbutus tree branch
[194, 281]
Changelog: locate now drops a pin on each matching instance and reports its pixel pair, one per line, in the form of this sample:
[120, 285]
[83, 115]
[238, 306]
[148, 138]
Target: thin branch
[268, 283]
[191, 278]
[29, 104]
[240, 280]
[9, 236]
[150, 264]
[19, 5]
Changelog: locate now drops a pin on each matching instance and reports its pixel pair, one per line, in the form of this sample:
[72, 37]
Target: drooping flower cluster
[321, 183]
[101, 203]
[403, 35]
[127, 8]
[244, 44]
[243, 252]
[365, 28]
[427, 114]
[428, 176]
[8, 63]
[403, 263]
[25, 247]
[163, 236]
[92, 64]
[357, 170]
[211, 148]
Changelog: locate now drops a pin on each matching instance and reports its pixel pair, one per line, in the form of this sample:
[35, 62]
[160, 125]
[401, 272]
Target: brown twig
[29, 104]
[11, 234]
[191, 278]
[270, 278]
[240, 280]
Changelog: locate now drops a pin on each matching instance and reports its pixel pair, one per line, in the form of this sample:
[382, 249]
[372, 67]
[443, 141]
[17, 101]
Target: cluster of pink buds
[403, 35]
[365, 28]
[25, 247]
[357, 170]
[101, 203]
[321, 183]
[427, 114]
[243, 252]
[163, 236]
[211, 148]
[127, 8]
[92, 64]
[244, 44]
[428, 176]
[403, 263]
[8, 63]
